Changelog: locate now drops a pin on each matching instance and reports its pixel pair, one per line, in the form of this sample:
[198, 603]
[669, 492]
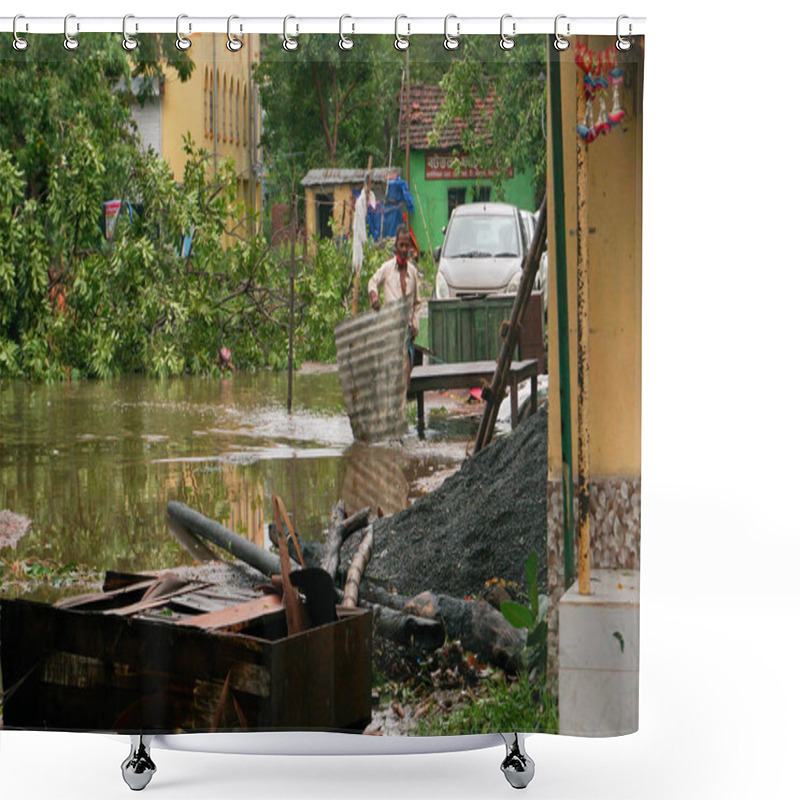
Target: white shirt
[388, 276]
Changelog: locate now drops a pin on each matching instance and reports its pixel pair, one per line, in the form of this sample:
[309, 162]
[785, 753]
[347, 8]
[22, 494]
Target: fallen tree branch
[477, 625]
[404, 629]
[357, 567]
[339, 531]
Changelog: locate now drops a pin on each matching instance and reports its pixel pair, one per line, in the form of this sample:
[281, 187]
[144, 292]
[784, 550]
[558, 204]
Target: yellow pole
[582, 242]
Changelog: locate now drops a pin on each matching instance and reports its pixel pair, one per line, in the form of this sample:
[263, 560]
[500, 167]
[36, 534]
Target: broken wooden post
[494, 394]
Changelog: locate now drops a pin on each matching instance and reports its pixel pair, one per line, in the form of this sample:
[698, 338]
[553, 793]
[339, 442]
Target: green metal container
[469, 330]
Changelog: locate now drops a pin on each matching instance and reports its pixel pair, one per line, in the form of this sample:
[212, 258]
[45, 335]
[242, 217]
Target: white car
[530, 219]
[483, 252]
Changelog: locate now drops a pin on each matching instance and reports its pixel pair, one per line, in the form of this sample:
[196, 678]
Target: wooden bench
[467, 375]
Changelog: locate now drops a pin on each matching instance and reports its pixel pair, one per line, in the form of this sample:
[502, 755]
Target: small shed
[330, 194]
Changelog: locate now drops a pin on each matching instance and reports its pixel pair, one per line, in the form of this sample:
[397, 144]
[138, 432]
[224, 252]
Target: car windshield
[473, 236]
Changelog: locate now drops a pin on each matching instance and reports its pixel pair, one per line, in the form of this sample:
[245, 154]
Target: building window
[205, 103]
[211, 110]
[246, 113]
[230, 110]
[224, 131]
[455, 197]
[482, 194]
[237, 113]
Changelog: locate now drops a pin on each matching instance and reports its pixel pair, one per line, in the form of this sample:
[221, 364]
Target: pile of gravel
[481, 523]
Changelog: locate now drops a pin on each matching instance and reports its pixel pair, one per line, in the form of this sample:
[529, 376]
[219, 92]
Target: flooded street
[93, 464]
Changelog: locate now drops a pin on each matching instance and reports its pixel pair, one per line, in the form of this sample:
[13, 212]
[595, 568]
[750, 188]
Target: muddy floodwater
[94, 463]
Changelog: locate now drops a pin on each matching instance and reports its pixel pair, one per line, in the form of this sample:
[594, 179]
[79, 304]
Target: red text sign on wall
[441, 167]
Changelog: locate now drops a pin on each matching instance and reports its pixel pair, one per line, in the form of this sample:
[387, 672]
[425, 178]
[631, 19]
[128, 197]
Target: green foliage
[513, 135]
[533, 617]
[73, 304]
[325, 290]
[327, 108]
[505, 705]
[32, 574]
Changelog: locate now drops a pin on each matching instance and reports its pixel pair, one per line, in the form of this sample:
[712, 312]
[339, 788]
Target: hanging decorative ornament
[588, 121]
[586, 127]
[600, 73]
[603, 123]
[617, 112]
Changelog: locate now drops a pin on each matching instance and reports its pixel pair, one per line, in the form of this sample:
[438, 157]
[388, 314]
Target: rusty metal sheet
[373, 361]
[235, 617]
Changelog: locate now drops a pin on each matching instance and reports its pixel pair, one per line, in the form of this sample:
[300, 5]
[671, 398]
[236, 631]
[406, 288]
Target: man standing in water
[399, 278]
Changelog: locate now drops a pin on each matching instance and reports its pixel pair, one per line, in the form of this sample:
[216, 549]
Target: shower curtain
[190, 538]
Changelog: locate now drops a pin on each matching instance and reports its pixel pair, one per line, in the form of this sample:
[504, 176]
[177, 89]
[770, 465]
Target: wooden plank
[237, 616]
[465, 375]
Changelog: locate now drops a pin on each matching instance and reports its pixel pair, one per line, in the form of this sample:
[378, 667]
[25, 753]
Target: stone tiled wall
[615, 528]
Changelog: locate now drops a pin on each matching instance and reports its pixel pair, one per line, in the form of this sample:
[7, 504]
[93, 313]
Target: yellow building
[602, 223]
[219, 107]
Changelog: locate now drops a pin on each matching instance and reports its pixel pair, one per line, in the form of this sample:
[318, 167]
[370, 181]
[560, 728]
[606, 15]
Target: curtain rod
[347, 25]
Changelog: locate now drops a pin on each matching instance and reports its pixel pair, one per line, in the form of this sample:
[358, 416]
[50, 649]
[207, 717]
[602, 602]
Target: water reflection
[94, 464]
[373, 477]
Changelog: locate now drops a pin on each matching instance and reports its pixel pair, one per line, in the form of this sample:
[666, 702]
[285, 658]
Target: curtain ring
[345, 42]
[182, 42]
[234, 43]
[451, 42]
[506, 42]
[70, 42]
[19, 43]
[401, 42]
[623, 42]
[289, 42]
[560, 42]
[129, 43]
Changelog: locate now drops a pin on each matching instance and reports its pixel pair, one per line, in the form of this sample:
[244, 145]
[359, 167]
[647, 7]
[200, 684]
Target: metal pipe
[559, 222]
[194, 522]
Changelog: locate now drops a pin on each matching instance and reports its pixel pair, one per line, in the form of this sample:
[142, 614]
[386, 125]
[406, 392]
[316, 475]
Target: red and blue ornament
[601, 73]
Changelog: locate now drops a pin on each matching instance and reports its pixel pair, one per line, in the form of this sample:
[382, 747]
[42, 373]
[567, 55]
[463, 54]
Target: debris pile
[480, 524]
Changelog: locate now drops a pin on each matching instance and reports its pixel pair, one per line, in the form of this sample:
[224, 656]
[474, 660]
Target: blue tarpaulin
[390, 211]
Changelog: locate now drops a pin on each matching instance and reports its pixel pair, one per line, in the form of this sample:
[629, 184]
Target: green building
[437, 187]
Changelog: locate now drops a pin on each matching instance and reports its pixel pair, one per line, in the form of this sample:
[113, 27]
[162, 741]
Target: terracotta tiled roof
[425, 103]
